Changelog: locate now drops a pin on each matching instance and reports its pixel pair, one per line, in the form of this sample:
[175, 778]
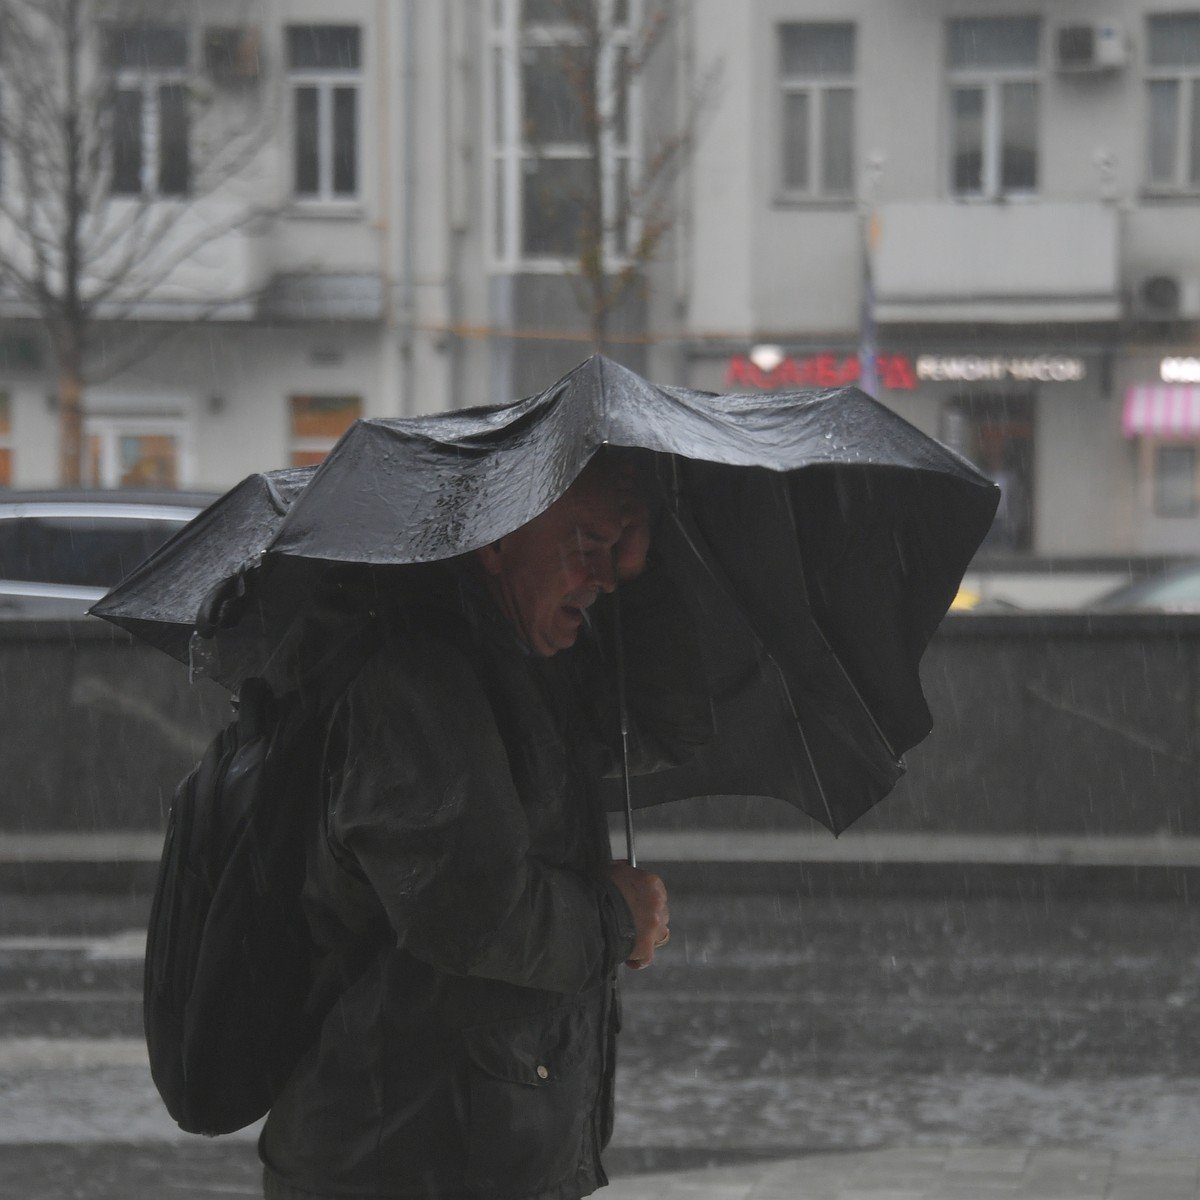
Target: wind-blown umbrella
[817, 539]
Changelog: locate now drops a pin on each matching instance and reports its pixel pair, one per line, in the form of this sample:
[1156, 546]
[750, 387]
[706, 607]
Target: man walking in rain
[474, 1056]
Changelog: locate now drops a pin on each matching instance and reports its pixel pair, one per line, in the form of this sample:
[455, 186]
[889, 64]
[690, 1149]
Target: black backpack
[229, 959]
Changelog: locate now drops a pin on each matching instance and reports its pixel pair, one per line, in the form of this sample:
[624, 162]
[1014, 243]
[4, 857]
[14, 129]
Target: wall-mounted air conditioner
[1167, 298]
[1087, 49]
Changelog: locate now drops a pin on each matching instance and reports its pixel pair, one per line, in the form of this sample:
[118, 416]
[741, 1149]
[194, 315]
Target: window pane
[553, 205]
[816, 49]
[993, 42]
[147, 460]
[796, 150]
[837, 148]
[127, 143]
[324, 47]
[556, 12]
[967, 117]
[1174, 481]
[1018, 151]
[621, 231]
[499, 114]
[345, 141]
[145, 47]
[307, 179]
[1194, 173]
[5, 441]
[500, 199]
[325, 417]
[1174, 40]
[1164, 125]
[621, 100]
[557, 88]
[173, 165]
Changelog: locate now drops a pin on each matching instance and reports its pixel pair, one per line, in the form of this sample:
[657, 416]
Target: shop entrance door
[995, 431]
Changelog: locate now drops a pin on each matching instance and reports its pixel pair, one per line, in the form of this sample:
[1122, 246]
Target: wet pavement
[786, 1046]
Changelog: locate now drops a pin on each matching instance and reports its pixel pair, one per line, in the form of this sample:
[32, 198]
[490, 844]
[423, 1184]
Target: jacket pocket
[533, 1084]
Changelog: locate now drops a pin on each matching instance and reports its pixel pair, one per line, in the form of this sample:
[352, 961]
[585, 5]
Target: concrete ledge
[969, 865]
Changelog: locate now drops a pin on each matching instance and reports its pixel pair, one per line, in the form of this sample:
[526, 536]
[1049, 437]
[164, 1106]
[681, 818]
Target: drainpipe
[408, 191]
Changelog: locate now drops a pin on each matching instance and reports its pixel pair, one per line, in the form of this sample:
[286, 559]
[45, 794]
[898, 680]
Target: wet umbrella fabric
[816, 537]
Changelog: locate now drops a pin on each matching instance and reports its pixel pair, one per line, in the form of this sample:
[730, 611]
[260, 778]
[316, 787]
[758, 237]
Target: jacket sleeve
[426, 805]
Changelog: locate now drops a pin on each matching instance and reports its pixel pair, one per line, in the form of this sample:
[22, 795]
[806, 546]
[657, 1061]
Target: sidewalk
[932, 1174]
[204, 1170]
[1154, 866]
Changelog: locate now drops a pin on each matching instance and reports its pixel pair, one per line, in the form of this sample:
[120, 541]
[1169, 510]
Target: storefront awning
[1162, 410]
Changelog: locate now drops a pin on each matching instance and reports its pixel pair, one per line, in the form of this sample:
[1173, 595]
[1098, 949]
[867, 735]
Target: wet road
[774, 1026]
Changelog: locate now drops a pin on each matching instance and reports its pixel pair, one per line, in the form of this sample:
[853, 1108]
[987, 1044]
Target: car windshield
[1178, 588]
[88, 551]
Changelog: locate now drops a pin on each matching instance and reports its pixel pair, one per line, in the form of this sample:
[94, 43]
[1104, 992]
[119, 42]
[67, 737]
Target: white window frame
[111, 429]
[509, 151]
[326, 80]
[148, 82]
[991, 81]
[816, 87]
[1187, 78]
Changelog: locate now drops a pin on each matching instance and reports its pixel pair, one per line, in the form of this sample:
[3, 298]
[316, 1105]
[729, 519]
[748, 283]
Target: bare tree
[130, 152]
[607, 55]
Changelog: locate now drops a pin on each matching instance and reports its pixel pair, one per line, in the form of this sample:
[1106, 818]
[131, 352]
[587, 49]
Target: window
[325, 70]
[135, 452]
[1173, 101]
[1174, 480]
[6, 443]
[317, 423]
[816, 82]
[992, 65]
[548, 83]
[150, 117]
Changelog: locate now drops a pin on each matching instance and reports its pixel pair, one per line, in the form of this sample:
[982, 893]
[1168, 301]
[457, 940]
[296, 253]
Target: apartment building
[989, 215]
[1006, 198]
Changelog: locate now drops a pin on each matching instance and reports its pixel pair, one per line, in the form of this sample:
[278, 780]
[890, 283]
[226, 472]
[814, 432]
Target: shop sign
[1180, 370]
[894, 371]
[975, 368]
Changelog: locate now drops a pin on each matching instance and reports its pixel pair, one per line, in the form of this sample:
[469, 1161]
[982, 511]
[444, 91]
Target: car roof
[121, 496]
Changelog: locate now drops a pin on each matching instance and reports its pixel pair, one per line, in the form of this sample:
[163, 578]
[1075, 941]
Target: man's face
[547, 573]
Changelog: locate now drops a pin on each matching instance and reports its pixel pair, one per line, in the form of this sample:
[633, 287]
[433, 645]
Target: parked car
[60, 551]
[1176, 589]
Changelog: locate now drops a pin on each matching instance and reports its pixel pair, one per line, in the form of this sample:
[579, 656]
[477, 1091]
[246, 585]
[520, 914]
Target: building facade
[989, 216]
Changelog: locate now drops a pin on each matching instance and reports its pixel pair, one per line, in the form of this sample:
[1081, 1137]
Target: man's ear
[490, 557]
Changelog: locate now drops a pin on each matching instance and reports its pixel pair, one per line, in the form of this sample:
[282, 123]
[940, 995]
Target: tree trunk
[70, 418]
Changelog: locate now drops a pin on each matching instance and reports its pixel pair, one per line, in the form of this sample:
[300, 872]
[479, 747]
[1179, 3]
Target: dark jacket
[474, 1055]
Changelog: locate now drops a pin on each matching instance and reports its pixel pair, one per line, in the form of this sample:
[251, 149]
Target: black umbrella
[818, 540]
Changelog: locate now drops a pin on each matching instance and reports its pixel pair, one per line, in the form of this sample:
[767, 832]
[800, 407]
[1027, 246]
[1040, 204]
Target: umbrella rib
[833, 654]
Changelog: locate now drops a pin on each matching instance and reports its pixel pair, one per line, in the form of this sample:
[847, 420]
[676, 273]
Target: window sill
[815, 203]
[1167, 196]
[326, 210]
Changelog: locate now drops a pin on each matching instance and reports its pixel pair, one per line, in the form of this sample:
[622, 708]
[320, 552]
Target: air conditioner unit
[1087, 49]
[231, 55]
[1168, 298]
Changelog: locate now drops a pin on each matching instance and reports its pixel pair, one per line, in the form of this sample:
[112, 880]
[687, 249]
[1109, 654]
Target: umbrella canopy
[817, 538]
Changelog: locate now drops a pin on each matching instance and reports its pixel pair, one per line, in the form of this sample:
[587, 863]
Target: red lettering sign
[826, 370]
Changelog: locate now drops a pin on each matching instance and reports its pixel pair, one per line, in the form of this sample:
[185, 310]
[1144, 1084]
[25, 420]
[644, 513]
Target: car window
[92, 551]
